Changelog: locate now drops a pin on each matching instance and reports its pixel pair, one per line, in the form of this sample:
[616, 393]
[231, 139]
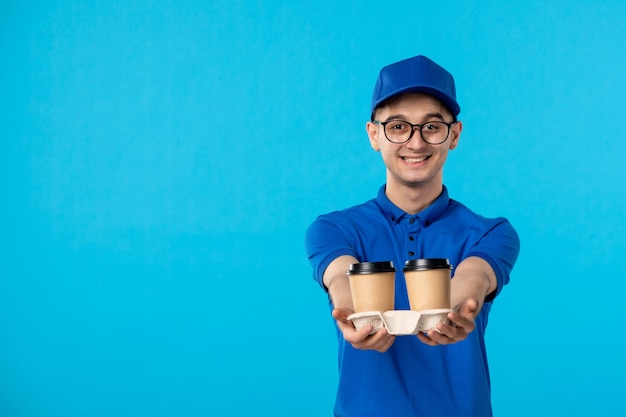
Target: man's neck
[413, 199]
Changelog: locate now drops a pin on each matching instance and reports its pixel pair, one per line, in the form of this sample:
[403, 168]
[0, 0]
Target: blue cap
[416, 75]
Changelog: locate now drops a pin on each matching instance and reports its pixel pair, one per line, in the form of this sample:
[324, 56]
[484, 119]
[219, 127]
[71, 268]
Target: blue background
[160, 162]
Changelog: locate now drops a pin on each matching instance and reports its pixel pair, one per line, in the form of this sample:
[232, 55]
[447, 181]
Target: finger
[347, 328]
[380, 341]
[459, 321]
[362, 338]
[351, 334]
[424, 338]
[442, 335]
[453, 332]
[363, 333]
[388, 342]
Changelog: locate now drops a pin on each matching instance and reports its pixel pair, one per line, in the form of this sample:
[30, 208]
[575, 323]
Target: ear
[372, 133]
[455, 134]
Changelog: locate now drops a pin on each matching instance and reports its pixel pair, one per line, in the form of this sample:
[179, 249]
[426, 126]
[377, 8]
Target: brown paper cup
[372, 285]
[428, 283]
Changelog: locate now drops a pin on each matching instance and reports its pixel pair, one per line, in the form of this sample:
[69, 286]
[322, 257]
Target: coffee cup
[372, 285]
[428, 283]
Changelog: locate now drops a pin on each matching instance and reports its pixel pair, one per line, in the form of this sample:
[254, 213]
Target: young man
[444, 372]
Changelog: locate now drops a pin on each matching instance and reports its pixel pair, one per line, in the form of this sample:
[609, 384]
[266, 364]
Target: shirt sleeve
[499, 247]
[325, 242]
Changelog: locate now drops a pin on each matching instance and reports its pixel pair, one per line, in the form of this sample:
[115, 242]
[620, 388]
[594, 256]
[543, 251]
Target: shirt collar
[428, 215]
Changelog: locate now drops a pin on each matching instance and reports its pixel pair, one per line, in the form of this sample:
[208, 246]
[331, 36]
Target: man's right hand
[380, 341]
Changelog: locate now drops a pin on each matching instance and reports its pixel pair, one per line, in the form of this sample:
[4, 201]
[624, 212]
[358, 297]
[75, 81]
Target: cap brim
[452, 105]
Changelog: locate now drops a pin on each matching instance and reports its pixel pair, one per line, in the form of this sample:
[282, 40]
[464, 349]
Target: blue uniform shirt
[411, 378]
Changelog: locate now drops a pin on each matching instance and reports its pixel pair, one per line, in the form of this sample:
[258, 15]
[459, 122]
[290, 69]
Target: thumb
[468, 308]
[341, 314]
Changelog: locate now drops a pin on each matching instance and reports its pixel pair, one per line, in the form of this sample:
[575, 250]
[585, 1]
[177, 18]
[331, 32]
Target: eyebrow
[425, 117]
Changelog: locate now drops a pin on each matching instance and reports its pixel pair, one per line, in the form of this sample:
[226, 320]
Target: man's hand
[473, 280]
[461, 324]
[338, 285]
[380, 341]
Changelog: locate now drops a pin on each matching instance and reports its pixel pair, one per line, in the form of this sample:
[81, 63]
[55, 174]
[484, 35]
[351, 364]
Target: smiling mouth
[412, 160]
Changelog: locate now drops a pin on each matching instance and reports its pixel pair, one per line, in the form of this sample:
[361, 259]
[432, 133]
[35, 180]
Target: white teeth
[415, 160]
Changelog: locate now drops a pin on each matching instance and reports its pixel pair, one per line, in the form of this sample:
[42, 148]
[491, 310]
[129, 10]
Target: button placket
[415, 226]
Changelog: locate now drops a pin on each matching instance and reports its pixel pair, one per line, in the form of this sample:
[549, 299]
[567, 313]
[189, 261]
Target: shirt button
[411, 238]
[412, 220]
[411, 253]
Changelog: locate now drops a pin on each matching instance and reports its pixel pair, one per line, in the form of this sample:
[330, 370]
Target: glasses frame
[413, 126]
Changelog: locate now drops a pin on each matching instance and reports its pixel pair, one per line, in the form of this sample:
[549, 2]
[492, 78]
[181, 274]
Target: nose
[416, 141]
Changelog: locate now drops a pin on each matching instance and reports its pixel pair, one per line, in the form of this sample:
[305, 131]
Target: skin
[414, 172]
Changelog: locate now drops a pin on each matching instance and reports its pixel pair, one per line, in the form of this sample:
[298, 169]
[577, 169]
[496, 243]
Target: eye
[396, 126]
[432, 126]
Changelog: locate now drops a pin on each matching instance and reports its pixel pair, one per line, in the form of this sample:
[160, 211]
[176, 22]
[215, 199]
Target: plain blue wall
[161, 161]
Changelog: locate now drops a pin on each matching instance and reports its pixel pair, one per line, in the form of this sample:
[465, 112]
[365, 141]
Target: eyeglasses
[400, 131]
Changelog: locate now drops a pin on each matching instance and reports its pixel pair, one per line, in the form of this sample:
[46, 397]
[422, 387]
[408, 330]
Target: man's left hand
[460, 324]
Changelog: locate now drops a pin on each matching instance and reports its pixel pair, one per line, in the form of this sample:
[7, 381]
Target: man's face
[414, 163]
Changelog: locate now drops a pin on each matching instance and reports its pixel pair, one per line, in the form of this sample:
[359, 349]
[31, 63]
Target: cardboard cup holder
[401, 322]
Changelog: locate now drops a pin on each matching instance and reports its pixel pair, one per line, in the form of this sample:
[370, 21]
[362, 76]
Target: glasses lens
[434, 132]
[398, 131]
